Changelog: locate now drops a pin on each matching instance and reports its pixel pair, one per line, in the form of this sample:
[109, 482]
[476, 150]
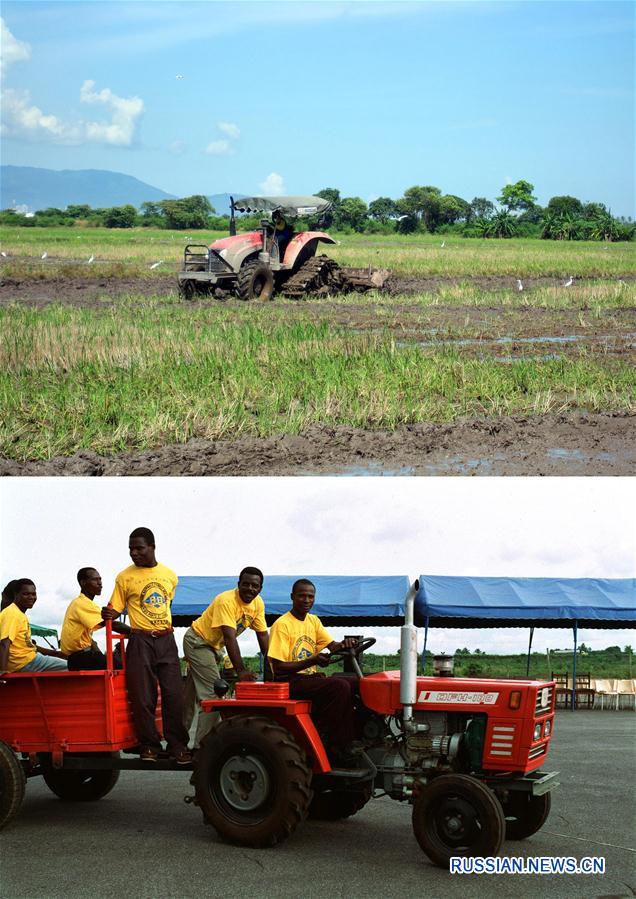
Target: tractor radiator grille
[544, 701]
[502, 740]
[538, 751]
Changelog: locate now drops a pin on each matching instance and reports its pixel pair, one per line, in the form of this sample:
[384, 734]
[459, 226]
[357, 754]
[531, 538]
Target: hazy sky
[368, 97]
[552, 527]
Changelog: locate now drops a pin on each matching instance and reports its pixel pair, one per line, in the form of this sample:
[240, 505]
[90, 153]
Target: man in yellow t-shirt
[17, 651]
[227, 616]
[146, 589]
[296, 645]
[82, 618]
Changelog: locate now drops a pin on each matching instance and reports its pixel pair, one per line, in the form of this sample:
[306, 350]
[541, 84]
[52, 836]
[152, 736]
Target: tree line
[422, 209]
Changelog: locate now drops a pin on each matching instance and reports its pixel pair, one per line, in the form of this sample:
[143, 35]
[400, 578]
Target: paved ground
[143, 841]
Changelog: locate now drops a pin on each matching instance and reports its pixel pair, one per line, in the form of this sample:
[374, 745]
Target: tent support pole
[574, 667]
[424, 650]
[529, 648]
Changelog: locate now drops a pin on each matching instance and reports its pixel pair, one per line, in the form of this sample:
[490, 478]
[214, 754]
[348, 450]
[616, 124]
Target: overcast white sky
[523, 527]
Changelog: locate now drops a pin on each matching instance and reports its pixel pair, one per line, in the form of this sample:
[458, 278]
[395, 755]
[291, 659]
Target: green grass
[149, 374]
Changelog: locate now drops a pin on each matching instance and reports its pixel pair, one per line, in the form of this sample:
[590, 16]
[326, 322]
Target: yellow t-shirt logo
[153, 600]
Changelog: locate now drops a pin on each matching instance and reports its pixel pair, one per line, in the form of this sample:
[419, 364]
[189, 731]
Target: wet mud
[583, 444]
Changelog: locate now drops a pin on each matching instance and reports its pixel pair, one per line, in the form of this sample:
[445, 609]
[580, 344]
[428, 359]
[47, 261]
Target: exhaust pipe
[408, 662]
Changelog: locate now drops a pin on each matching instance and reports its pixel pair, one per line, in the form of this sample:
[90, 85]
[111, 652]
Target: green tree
[352, 213]
[81, 211]
[327, 219]
[481, 208]
[382, 209]
[503, 225]
[424, 204]
[187, 213]
[565, 205]
[453, 209]
[517, 197]
[120, 217]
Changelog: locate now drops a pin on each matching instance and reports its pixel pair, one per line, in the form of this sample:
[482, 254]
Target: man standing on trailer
[227, 616]
[146, 589]
[82, 618]
[296, 646]
[17, 651]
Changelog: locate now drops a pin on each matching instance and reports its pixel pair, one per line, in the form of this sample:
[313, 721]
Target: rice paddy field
[477, 357]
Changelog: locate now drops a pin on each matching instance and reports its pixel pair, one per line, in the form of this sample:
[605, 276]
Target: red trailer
[70, 727]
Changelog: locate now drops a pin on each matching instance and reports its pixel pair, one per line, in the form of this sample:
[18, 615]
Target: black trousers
[92, 660]
[331, 705]
[151, 661]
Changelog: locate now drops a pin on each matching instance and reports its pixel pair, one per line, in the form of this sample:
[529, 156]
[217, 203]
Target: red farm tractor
[254, 265]
[464, 753]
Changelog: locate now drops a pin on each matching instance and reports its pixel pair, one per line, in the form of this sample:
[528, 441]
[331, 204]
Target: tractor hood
[289, 206]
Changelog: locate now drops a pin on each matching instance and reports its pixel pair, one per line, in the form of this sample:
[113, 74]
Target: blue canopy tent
[534, 602]
[340, 601]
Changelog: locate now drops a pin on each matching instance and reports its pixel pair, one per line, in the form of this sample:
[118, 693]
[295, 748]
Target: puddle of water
[557, 338]
[376, 470]
[566, 455]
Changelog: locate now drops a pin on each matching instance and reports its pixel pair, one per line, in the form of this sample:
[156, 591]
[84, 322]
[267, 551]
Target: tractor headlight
[537, 732]
[547, 729]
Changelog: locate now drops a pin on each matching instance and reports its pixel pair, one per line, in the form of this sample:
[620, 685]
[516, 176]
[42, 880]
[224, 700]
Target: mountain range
[29, 189]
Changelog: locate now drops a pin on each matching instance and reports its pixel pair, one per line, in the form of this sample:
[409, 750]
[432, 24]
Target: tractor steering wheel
[354, 651]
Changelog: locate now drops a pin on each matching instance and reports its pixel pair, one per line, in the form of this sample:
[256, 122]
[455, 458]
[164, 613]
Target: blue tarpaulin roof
[515, 602]
[339, 600]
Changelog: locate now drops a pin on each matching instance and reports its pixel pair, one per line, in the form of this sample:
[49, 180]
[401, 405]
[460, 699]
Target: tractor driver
[283, 232]
[296, 644]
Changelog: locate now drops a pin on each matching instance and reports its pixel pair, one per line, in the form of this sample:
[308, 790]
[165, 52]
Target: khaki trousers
[203, 670]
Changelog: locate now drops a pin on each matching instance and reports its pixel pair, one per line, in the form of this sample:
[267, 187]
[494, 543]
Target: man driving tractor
[296, 644]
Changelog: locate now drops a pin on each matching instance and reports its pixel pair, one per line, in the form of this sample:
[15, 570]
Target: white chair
[626, 694]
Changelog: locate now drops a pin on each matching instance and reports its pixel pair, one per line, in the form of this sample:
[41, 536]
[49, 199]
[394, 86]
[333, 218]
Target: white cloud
[273, 185]
[219, 148]
[13, 50]
[177, 147]
[230, 129]
[125, 112]
[22, 118]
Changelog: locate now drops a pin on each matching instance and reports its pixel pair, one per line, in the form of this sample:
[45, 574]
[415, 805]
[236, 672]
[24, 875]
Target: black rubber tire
[255, 281]
[187, 289]
[12, 784]
[525, 814]
[333, 805]
[456, 815]
[81, 786]
[267, 755]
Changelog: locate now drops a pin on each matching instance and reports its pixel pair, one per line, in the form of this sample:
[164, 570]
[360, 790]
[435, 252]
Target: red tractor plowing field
[465, 753]
[254, 265]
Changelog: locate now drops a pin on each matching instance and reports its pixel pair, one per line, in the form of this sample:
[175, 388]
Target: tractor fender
[293, 714]
[303, 242]
[235, 250]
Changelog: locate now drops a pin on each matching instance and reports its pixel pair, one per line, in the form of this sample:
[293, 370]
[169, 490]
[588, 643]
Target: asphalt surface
[143, 841]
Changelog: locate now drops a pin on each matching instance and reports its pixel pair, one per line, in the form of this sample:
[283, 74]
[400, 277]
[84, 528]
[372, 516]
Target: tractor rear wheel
[78, 785]
[12, 784]
[456, 815]
[255, 281]
[525, 814]
[252, 781]
[333, 805]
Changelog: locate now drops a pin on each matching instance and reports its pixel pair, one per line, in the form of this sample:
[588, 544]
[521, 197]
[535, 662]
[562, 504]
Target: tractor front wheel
[456, 815]
[12, 784]
[72, 785]
[525, 814]
[255, 282]
[252, 781]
